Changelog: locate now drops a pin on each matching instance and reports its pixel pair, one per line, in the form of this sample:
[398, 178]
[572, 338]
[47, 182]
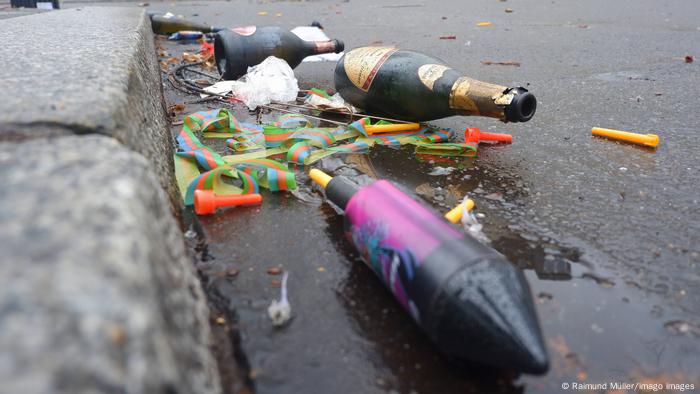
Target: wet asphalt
[606, 233]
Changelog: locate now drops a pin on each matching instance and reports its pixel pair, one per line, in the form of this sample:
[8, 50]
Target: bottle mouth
[339, 46]
[523, 106]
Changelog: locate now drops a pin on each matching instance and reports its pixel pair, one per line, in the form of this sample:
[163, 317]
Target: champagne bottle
[168, 24]
[237, 49]
[413, 86]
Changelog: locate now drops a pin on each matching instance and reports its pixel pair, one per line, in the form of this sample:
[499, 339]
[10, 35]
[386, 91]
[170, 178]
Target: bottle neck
[321, 47]
[163, 25]
[472, 97]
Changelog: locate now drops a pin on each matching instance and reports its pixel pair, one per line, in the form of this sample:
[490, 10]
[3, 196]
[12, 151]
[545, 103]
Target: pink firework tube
[473, 304]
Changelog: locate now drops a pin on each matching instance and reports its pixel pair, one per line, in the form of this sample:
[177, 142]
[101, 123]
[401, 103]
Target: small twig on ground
[508, 63]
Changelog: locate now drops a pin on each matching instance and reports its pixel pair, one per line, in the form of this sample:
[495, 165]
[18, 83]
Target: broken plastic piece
[206, 202]
[473, 134]
[456, 213]
[650, 140]
[472, 226]
[280, 311]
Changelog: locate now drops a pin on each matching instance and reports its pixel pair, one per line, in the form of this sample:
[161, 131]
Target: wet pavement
[606, 233]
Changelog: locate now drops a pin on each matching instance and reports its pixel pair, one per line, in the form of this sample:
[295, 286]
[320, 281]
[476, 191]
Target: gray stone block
[97, 295]
[88, 70]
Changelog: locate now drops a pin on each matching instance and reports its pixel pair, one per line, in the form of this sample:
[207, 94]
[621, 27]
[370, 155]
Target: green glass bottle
[237, 49]
[168, 24]
[413, 86]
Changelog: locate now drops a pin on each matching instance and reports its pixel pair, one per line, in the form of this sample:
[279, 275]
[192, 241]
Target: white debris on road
[280, 311]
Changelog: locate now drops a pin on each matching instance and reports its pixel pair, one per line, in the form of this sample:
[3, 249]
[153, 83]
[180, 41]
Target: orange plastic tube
[389, 128]
[650, 140]
[206, 202]
[473, 134]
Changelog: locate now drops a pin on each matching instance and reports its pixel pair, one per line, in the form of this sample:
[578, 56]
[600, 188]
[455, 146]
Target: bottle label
[244, 30]
[362, 64]
[429, 73]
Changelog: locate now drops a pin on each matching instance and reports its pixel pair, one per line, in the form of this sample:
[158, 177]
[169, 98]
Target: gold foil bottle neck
[472, 97]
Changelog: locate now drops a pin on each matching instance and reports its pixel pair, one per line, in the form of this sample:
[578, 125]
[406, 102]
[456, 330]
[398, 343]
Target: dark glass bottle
[413, 86]
[237, 49]
[162, 24]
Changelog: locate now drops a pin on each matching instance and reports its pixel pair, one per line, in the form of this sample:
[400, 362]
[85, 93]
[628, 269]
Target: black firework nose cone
[485, 315]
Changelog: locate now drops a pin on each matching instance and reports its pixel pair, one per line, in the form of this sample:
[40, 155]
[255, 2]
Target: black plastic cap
[339, 46]
[523, 106]
[317, 24]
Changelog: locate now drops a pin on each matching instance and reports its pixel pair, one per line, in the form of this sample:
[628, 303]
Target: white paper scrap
[221, 87]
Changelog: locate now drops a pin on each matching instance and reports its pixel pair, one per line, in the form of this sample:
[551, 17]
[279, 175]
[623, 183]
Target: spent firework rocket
[473, 304]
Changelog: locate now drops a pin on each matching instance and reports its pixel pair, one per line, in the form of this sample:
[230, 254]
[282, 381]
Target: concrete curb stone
[98, 294]
[83, 71]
